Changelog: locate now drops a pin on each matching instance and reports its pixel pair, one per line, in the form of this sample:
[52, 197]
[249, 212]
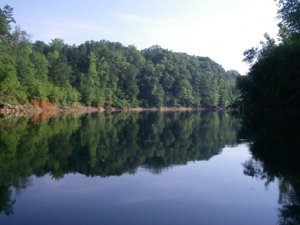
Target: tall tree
[90, 84]
[289, 13]
[273, 80]
[6, 18]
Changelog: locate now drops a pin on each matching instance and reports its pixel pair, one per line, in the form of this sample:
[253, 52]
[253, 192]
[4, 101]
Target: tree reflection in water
[275, 148]
[105, 145]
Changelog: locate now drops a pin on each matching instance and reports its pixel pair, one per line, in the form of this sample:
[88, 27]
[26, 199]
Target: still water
[138, 168]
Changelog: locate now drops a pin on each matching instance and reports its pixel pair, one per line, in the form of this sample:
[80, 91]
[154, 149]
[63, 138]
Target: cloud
[70, 31]
[131, 18]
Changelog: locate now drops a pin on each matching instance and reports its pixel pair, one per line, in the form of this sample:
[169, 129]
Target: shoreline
[26, 110]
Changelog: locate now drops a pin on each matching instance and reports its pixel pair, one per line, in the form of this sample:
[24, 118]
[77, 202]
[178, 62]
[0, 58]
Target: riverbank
[33, 109]
[44, 107]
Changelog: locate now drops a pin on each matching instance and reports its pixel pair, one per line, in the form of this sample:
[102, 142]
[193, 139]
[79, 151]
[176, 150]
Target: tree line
[107, 74]
[274, 79]
[273, 83]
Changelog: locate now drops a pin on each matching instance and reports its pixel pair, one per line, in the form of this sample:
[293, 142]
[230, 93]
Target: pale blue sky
[219, 29]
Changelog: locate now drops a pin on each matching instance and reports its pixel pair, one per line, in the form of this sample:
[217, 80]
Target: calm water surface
[138, 168]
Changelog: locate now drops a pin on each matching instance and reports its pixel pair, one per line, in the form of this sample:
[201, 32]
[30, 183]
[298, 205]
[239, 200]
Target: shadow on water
[105, 145]
[274, 144]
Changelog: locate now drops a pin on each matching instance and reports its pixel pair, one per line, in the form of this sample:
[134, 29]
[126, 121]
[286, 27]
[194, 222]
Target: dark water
[148, 168]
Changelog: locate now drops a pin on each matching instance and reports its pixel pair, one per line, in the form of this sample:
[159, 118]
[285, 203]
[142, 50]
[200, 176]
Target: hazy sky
[219, 29]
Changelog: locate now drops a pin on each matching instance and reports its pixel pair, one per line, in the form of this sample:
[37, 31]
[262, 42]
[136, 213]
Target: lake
[149, 168]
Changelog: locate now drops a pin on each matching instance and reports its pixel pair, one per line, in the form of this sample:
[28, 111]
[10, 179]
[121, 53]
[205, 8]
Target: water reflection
[274, 144]
[105, 145]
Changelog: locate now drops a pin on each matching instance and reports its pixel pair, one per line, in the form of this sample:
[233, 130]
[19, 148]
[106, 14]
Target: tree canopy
[107, 74]
[274, 80]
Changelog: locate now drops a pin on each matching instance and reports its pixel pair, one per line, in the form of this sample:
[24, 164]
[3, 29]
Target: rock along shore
[44, 107]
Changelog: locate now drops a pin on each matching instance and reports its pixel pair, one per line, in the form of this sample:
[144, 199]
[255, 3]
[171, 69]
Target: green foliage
[41, 65]
[90, 87]
[289, 12]
[189, 81]
[273, 81]
[108, 74]
[6, 17]
[25, 69]
[10, 88]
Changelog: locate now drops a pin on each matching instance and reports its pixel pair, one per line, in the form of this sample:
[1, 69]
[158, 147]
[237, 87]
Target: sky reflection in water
[203, 192]
[148, 168]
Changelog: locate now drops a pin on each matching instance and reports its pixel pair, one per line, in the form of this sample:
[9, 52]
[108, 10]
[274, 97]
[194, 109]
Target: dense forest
[105, 144]
[274, 79]
[107, 74]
